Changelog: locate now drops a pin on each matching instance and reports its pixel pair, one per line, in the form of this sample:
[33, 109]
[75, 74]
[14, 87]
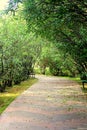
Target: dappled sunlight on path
[51, 104]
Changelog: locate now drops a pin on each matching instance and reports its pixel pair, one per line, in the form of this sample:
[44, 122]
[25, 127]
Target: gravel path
[50, 104]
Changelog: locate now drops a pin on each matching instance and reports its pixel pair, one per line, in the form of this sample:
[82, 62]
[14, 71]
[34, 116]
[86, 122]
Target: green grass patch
[12, 92]
[85, 89]
[77, 79]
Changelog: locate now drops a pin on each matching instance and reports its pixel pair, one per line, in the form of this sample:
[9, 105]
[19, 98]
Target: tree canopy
[54, 33]
[18, 51]
[62, 22]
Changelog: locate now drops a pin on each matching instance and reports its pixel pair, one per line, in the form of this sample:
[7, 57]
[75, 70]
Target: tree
[17, 51]
[58, 62]
[64, 22]
[13, 6]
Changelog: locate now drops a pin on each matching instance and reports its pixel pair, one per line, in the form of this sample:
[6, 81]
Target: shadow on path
[51, 104]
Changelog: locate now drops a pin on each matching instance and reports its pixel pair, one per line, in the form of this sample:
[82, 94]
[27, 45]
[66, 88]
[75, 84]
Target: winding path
[50, 104]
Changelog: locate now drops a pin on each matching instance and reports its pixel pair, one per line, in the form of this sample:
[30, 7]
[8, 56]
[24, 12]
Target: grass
[84, 89]
[12, 92]
[79, 81]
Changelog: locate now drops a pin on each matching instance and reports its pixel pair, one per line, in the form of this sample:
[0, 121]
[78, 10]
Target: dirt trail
[51, 104]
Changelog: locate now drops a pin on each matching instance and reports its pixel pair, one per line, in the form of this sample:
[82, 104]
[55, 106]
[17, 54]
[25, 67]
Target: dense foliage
[63, 22]
[48, 33]
[58, 62]
[17, 51]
